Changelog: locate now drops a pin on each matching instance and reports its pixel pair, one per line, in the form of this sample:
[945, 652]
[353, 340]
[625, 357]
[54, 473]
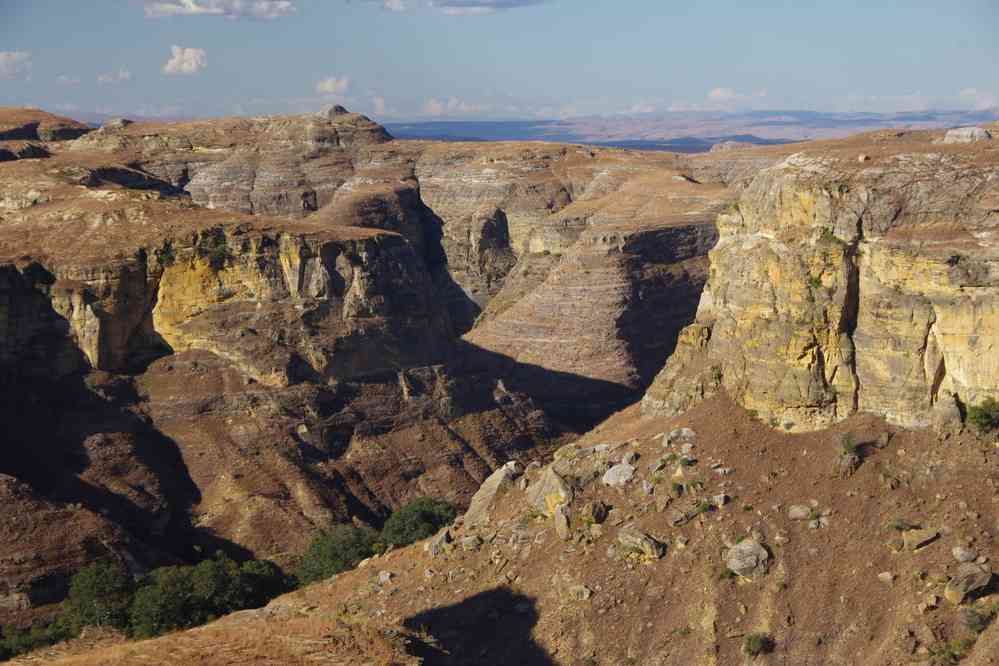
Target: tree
[334, 551]
[165, 603]
[419, 519]
[99, 596]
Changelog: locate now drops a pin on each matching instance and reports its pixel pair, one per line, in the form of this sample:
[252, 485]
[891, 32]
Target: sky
[410, 60]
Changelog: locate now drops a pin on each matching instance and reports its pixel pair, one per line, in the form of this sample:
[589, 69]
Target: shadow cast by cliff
[492, 627]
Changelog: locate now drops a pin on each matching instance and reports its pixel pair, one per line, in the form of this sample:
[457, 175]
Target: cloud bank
[14, 64]
[185, 61]
[230, 9]
[333, 85]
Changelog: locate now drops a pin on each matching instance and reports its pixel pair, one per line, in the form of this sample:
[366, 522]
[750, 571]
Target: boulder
[967, 135]
[969, 577]
[561, 518]
[619, 475]
[799, 512]
[747, 558]
[963, 555]
[484, 500]
[595, 512]
[549, 492]
[633, 540]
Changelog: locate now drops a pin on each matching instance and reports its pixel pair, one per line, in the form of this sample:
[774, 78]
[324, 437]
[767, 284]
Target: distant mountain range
[693, 131]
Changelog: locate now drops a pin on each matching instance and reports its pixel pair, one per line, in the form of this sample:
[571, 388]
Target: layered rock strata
[843, 284]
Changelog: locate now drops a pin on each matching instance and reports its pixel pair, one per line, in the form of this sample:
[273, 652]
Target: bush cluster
[104, 594]
[985, 415]
[167, 599]
[342, 547]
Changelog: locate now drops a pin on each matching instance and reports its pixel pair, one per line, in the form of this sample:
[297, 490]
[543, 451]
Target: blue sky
[475, 59]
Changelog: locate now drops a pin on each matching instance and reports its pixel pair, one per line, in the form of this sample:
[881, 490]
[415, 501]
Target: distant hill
[689, 132]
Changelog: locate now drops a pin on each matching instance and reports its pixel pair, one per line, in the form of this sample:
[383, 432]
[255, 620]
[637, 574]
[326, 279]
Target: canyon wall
[852, 276]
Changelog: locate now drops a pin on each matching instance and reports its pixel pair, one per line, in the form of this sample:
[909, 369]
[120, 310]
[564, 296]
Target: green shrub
[419, 519]
[756, 644]
[265, 580]
[335, 551]
[985, 415]
[14, 641]
[215, 248]
[166, 602]
[99, 596]
[165, 256]
[849, 445]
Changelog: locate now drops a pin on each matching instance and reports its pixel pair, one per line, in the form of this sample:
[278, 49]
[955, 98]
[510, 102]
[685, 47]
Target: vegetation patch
[984, 415]
[756, 644]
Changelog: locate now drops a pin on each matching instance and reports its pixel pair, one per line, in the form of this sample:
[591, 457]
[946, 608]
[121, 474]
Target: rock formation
[871, 288]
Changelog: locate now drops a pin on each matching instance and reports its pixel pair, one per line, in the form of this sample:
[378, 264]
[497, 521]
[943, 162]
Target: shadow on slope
[492, 627]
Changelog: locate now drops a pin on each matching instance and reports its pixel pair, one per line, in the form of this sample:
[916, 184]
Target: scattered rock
[799, 512]
[630, 458]
[720, 500]
[863, 158]
[438, 544]
[619, 475]
[846, 464]
[580, 592]
[886, 577]
[633, 540]
[594, 512]
[916, 539]
[385, 577]
[548, 492]
[747, 558]
[962, 554]
[680, 435]
[561, 519]
[471, 543]
[969, 577]
[484, 500]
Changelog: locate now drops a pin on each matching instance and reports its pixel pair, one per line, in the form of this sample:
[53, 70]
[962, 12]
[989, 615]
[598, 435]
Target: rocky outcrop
[24, 124]
[871, 287]
[277, 166]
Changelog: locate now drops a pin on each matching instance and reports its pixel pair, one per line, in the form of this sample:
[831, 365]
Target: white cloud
[231, 9]
[185, 61]
[479, 7]
[67, 80]
[14, 64]
[452, 107]
[334, 85]
[642, 107]
[979, 100]
[378, 103]
[723, 99]
[114, 77]
[459, 7]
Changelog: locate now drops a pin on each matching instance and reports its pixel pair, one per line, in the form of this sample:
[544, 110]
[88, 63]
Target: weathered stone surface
[484, 500]
[619, 475]
[967, 135]
[549, 492]
[872, 289]
[634, 541]
[748, 558]
[968, 578]
[916, 539]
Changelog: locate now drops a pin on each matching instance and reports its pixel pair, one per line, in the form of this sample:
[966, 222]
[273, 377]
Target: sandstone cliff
[872, 287]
